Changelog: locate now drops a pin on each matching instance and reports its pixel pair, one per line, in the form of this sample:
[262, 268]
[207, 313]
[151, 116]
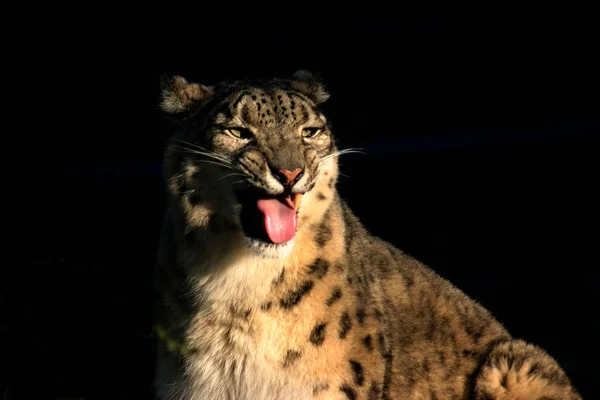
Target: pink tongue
[280, 218]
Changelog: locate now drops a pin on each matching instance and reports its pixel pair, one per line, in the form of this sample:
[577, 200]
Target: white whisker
[227, 176]
[338, 172]
[217, 163]
[191, 144]
[220, 162]
[204, 153]
[341, 152]
[202, 150]
[176, 177]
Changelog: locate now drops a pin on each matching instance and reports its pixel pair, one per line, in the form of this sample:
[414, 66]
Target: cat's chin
[266, 249]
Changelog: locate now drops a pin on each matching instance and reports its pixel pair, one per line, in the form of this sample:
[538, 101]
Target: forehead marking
[260, 113]
[303, 108]
[267, 107]
[239, 99]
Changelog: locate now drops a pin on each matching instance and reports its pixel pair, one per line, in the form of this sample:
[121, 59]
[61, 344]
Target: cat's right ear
[182, 98]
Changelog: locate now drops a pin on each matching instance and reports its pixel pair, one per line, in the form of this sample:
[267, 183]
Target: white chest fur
[237, 356]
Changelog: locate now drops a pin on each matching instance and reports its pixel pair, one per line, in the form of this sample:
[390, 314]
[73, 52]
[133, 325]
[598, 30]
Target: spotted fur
[335, 313]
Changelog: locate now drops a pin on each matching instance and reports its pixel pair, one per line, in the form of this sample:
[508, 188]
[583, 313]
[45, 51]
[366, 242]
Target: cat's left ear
[308, 84]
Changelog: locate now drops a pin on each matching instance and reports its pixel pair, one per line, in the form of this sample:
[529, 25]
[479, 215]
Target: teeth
[296, 197]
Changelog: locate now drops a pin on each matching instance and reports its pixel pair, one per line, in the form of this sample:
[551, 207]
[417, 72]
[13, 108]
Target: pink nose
[289, 178]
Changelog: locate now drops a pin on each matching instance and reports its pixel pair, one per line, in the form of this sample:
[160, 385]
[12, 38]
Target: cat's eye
[308, 133]
[240, 133]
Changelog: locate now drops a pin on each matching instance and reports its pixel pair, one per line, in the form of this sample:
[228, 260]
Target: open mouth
[272, 219]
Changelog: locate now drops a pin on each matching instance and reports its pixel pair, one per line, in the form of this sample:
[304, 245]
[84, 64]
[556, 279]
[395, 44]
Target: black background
[480, 130]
